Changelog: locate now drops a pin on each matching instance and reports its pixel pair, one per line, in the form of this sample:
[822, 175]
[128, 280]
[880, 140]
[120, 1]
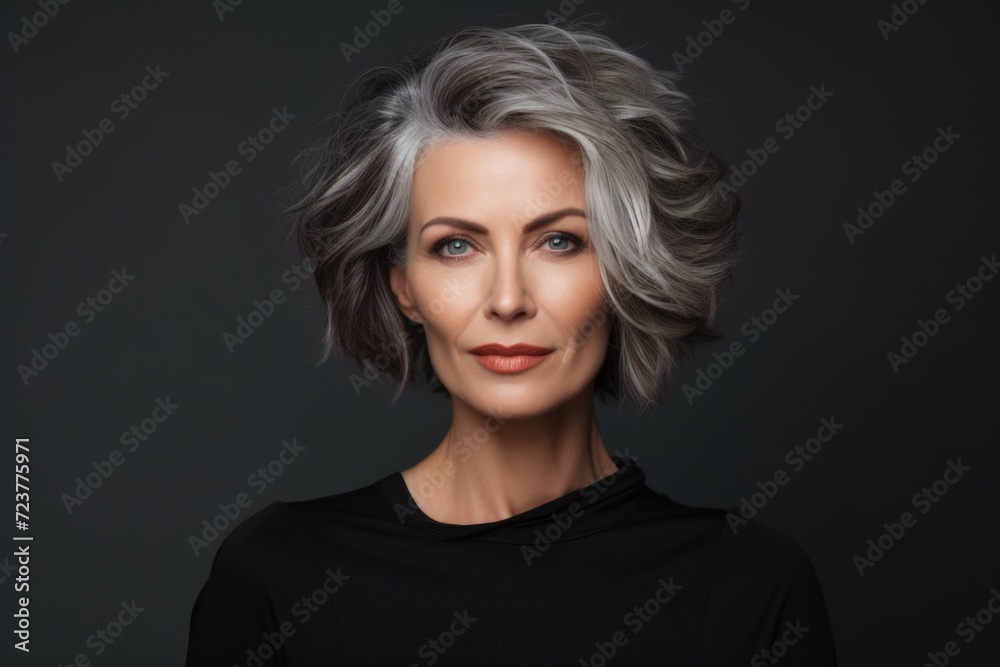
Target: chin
[518, 400]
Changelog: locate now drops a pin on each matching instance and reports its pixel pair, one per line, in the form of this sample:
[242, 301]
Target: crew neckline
[599, 506]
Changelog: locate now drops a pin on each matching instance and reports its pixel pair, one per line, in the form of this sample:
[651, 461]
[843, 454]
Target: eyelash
[438, 245]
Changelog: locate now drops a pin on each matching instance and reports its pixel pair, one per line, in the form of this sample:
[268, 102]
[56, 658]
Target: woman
[523, 218]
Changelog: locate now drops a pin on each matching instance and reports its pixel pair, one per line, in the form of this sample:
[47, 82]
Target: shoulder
[283, 528]
[747, 545]
[766, 591]
[257, 568]
[759, 565]
[286, 533]
[760, 547]
[766, 566]
[269, 539]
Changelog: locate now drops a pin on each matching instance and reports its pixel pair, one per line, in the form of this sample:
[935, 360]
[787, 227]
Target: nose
[508, 293]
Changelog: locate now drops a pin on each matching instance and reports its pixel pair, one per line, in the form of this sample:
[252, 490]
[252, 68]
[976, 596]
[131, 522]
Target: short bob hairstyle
[663, 226]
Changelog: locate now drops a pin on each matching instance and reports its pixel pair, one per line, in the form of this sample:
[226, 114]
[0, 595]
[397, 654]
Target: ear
[400, 287]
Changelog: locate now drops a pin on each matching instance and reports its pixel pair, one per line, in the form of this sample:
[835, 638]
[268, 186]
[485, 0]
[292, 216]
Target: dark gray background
[162, 336]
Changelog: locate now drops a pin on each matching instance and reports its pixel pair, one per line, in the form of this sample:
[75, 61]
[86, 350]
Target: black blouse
[611, 574]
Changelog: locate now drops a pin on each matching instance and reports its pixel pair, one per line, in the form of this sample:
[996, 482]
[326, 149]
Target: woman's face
[499, 252]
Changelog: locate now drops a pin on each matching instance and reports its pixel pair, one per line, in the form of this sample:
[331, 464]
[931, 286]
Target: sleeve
[241, 610]
[767, 605]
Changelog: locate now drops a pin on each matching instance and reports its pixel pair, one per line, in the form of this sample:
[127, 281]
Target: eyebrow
[479, 229]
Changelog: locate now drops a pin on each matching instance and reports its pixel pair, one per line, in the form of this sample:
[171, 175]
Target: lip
[518, 350]
[510, 359]
[506, 363]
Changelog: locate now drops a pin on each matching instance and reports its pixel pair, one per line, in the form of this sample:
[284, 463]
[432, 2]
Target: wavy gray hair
[662, 224]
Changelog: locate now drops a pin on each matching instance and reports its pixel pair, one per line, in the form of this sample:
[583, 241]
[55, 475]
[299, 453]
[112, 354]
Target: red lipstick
[512, 359]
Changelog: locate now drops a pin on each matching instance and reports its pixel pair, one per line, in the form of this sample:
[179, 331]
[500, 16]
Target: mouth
[520, 349]
[512, 359]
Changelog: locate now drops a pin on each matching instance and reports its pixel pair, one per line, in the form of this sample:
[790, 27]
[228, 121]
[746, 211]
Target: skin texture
[516, 440]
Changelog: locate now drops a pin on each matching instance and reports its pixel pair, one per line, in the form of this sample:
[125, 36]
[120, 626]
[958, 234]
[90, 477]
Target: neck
[489, 468]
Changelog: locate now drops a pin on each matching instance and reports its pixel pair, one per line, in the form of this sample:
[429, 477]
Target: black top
[611, 574]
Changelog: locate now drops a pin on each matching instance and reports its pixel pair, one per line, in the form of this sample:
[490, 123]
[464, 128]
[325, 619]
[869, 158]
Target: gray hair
[662, 224]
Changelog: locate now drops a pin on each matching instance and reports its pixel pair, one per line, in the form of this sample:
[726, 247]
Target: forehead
[511, 175]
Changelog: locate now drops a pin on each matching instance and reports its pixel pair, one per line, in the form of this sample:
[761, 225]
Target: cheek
[445, 299]
[587, 336]
[569, 279]
[576, 302]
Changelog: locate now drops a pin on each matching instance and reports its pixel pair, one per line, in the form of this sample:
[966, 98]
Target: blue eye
[560, 240]
[558, 244]
[455, 244]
